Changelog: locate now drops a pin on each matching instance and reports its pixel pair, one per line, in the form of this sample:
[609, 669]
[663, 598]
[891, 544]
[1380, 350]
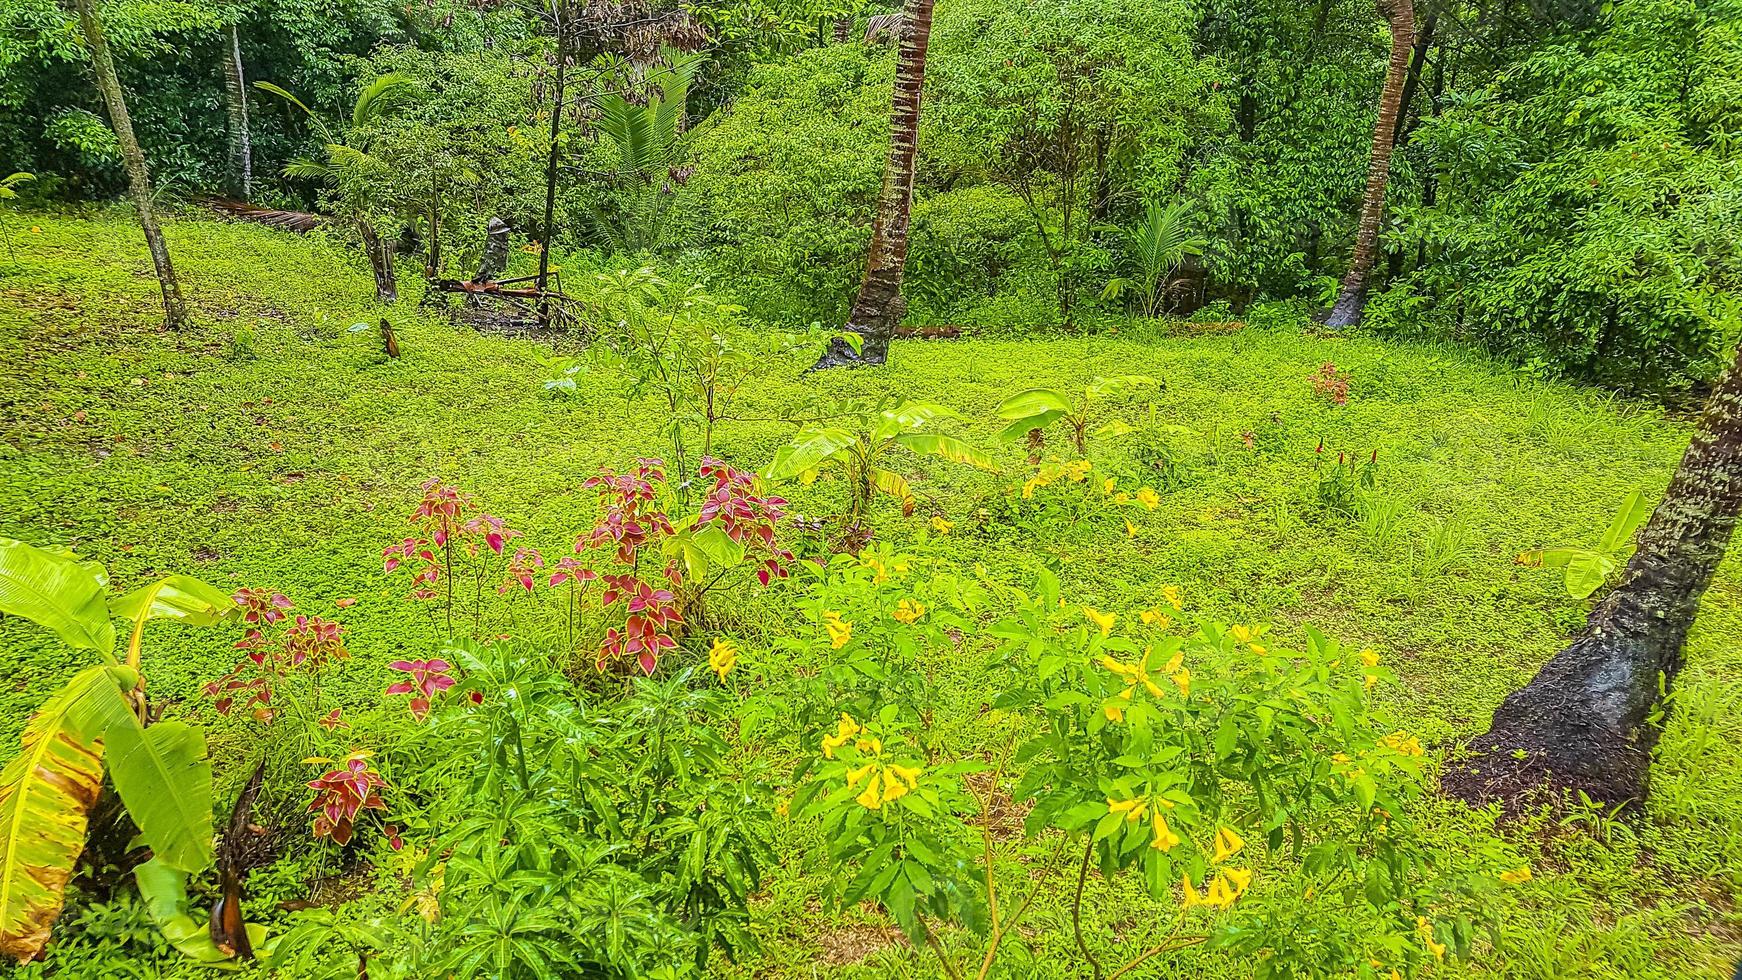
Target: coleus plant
[452, 540]
[734, 525]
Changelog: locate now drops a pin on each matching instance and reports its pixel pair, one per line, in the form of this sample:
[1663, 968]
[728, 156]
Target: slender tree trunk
[236, 107]
[879, 307]
[550, 169]
[1406, 120]
[1586, 721]
[380, 262]
[1400, 14]
[138, 177]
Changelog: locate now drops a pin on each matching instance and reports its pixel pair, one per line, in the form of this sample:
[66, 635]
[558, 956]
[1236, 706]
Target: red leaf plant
[633, 523]
[274, 646]
[428, 678]
[343, 793]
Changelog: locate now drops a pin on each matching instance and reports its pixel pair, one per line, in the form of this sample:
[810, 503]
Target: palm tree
[878, 309]
[651, 141]
[1159, 244]
[241, 172]
[353, 171]
[1400, 15]
[138, 176]
[1589, 719]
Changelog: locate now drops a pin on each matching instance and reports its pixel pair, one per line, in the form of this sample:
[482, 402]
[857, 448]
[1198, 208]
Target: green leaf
[46, 795]
[1633, 513]
[718, 546]
[180, 597]
[166, 901]
[58, 592]
[1586, 573]
[1020, 428]
[950, 448]
[165, 780]
[811, 448]
[1034, 402]
[892, 484]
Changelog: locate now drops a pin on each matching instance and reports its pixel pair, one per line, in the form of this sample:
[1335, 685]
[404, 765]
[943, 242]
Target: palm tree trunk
[380, 262]
[236, 107]
[1400, 14]
[843, 29]
[138, 177]
[879, 306]
[1585, 722]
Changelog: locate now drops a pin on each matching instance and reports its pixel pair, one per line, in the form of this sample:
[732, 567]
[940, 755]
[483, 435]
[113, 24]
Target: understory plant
[856, 438]
[99, 723]
[1032, 411]
[1249, 786]
[1589, 569]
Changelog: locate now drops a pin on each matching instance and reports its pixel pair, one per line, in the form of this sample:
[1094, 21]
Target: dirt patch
[852, 944]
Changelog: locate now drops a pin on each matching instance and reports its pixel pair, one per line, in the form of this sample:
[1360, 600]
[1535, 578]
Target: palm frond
[377, 97]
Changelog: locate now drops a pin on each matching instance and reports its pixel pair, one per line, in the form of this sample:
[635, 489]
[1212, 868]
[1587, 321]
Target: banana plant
[856, 438]
[1035, 409]
[97, 720]
[1587, 569]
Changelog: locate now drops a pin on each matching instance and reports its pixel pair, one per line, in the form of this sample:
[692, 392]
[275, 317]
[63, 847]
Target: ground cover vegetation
[1274, 522]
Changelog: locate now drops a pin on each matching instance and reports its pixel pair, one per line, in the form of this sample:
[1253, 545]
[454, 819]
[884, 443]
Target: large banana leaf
[1619, 536]
[811, 448]
[1034, 402]
[950, 448]
[908, 416]
[165, 780]
[180, 597]
[46, 795]
[59, 592]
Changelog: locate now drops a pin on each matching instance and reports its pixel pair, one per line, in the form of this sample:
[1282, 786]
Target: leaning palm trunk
[380, 262]
[1400, 14]
[236, 108]
[1587, 721]
[879, 306]
[138, 177]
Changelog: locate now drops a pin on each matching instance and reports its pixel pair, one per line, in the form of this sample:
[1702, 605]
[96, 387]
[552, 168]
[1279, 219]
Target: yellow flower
[1155, 618]
[1341, 758]
[1078, 470]
[1240, 878]
[886, 784]
[1170, 594]
[1189, 896]
[1165, 839]
[843, 734]
[868, 745]
[1517, 876]
[1183, 680]
[908, 612]
[1148, 498]
[1134, 809]
[1101, 619]
[1369, 658]
[1130, 530]
[870, 799]
[1426, 930]
[1368, 681]
[1028, 487]
[941, 526]
[1228, 844]
[1109, 485]
[1220, 893]
[840, 631]
[1403, 742]
[723, 657]
[1121, 497]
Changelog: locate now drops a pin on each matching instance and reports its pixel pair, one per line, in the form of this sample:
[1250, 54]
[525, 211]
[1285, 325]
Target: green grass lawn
[269, 446]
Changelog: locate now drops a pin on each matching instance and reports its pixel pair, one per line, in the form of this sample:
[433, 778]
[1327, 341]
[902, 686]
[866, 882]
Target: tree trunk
[1407, 121]
[843, 29]
[879, 307]
[241, 172]
[1400, 14]
[1585, 721]
[380, 262]
[550, 165]
[138, 177]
